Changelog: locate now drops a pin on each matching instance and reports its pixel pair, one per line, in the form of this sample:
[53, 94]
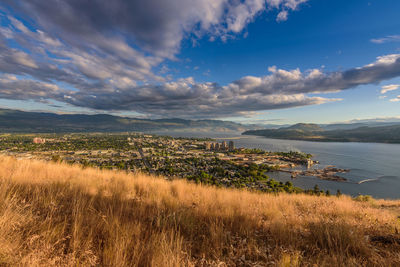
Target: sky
[250, 61]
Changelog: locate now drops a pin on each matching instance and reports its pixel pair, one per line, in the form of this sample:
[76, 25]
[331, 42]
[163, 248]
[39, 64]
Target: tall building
[212, 146]
[207, 145]
[224, 145]
[231, 146]
[216, 146]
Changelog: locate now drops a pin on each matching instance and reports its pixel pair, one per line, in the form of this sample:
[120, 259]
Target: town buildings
[208, 146]
[231, 146]
[224, 146]
[38, 140]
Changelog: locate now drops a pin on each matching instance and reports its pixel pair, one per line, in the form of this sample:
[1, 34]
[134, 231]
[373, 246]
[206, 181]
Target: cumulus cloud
[390, 87]
[282, 16]
[187, 98]
[280, 89]
[83, 54]
[387, 39]
[315, 81]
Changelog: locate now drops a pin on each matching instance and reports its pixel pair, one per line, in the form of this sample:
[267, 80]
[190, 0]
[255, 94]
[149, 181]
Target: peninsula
[314, 132]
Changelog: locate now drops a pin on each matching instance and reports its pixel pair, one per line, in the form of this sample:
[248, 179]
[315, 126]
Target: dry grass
[54, 214]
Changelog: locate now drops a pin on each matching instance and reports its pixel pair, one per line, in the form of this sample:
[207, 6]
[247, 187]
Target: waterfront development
[227, 160]
[202, 160]
[374, 169]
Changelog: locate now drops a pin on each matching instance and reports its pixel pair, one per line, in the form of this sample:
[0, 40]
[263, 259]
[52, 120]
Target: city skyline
[253, 61]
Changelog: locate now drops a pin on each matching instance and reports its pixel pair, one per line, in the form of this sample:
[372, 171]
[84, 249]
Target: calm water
[376, 166]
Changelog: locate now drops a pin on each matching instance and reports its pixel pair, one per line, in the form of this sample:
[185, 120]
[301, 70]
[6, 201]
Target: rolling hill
[314, 132]
[54, 214]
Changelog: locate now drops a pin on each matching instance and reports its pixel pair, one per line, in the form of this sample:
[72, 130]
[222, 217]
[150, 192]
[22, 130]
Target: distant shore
[313, 132]
[324, 140]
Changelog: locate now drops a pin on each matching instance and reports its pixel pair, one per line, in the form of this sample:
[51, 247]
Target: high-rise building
[224, 145]
[212, 146]
[216, 146]
[207, 145]
[231, 146]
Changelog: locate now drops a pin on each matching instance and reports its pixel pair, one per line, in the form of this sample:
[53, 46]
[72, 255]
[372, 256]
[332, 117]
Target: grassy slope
[54, 214]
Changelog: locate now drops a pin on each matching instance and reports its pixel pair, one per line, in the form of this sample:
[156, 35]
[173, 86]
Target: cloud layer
[156, 26]
[102, 55]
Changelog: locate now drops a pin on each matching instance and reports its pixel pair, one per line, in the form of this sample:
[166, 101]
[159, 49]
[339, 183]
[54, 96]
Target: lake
[374, 168]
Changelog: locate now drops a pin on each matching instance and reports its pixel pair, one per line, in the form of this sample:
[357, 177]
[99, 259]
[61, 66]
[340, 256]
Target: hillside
[305, 127]
[313, 132]
[62, 215]
[14, 121]
[297, 131]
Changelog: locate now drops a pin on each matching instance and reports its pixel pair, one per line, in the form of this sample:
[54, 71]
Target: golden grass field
[53, 214]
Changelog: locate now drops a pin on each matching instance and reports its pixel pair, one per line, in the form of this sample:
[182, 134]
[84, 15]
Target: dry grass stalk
[61, 215]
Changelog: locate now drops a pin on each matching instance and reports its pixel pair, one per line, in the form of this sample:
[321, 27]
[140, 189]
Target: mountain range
[14, 121]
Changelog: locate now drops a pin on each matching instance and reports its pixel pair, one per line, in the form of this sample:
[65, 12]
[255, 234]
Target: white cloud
[387, 39]
[385, 60]
[397, 99]
[282, 16]
[390, 87]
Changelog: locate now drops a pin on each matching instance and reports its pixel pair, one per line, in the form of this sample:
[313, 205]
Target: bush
[363, 198]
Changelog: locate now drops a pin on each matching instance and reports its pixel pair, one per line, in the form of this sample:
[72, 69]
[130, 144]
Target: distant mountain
[12, 121]
[301, 130]
[350, 126]
[382, 134]
[343, 126]
[377, 122]
[313, 132]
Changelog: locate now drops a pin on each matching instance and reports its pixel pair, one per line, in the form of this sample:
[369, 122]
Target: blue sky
[274, 61]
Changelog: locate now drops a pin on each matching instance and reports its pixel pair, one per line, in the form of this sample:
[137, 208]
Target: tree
[56, 158]
[121, 165]
[338, 193]
[316, 190]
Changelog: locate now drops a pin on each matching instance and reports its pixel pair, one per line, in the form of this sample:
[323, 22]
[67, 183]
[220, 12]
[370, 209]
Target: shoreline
[328, 173]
